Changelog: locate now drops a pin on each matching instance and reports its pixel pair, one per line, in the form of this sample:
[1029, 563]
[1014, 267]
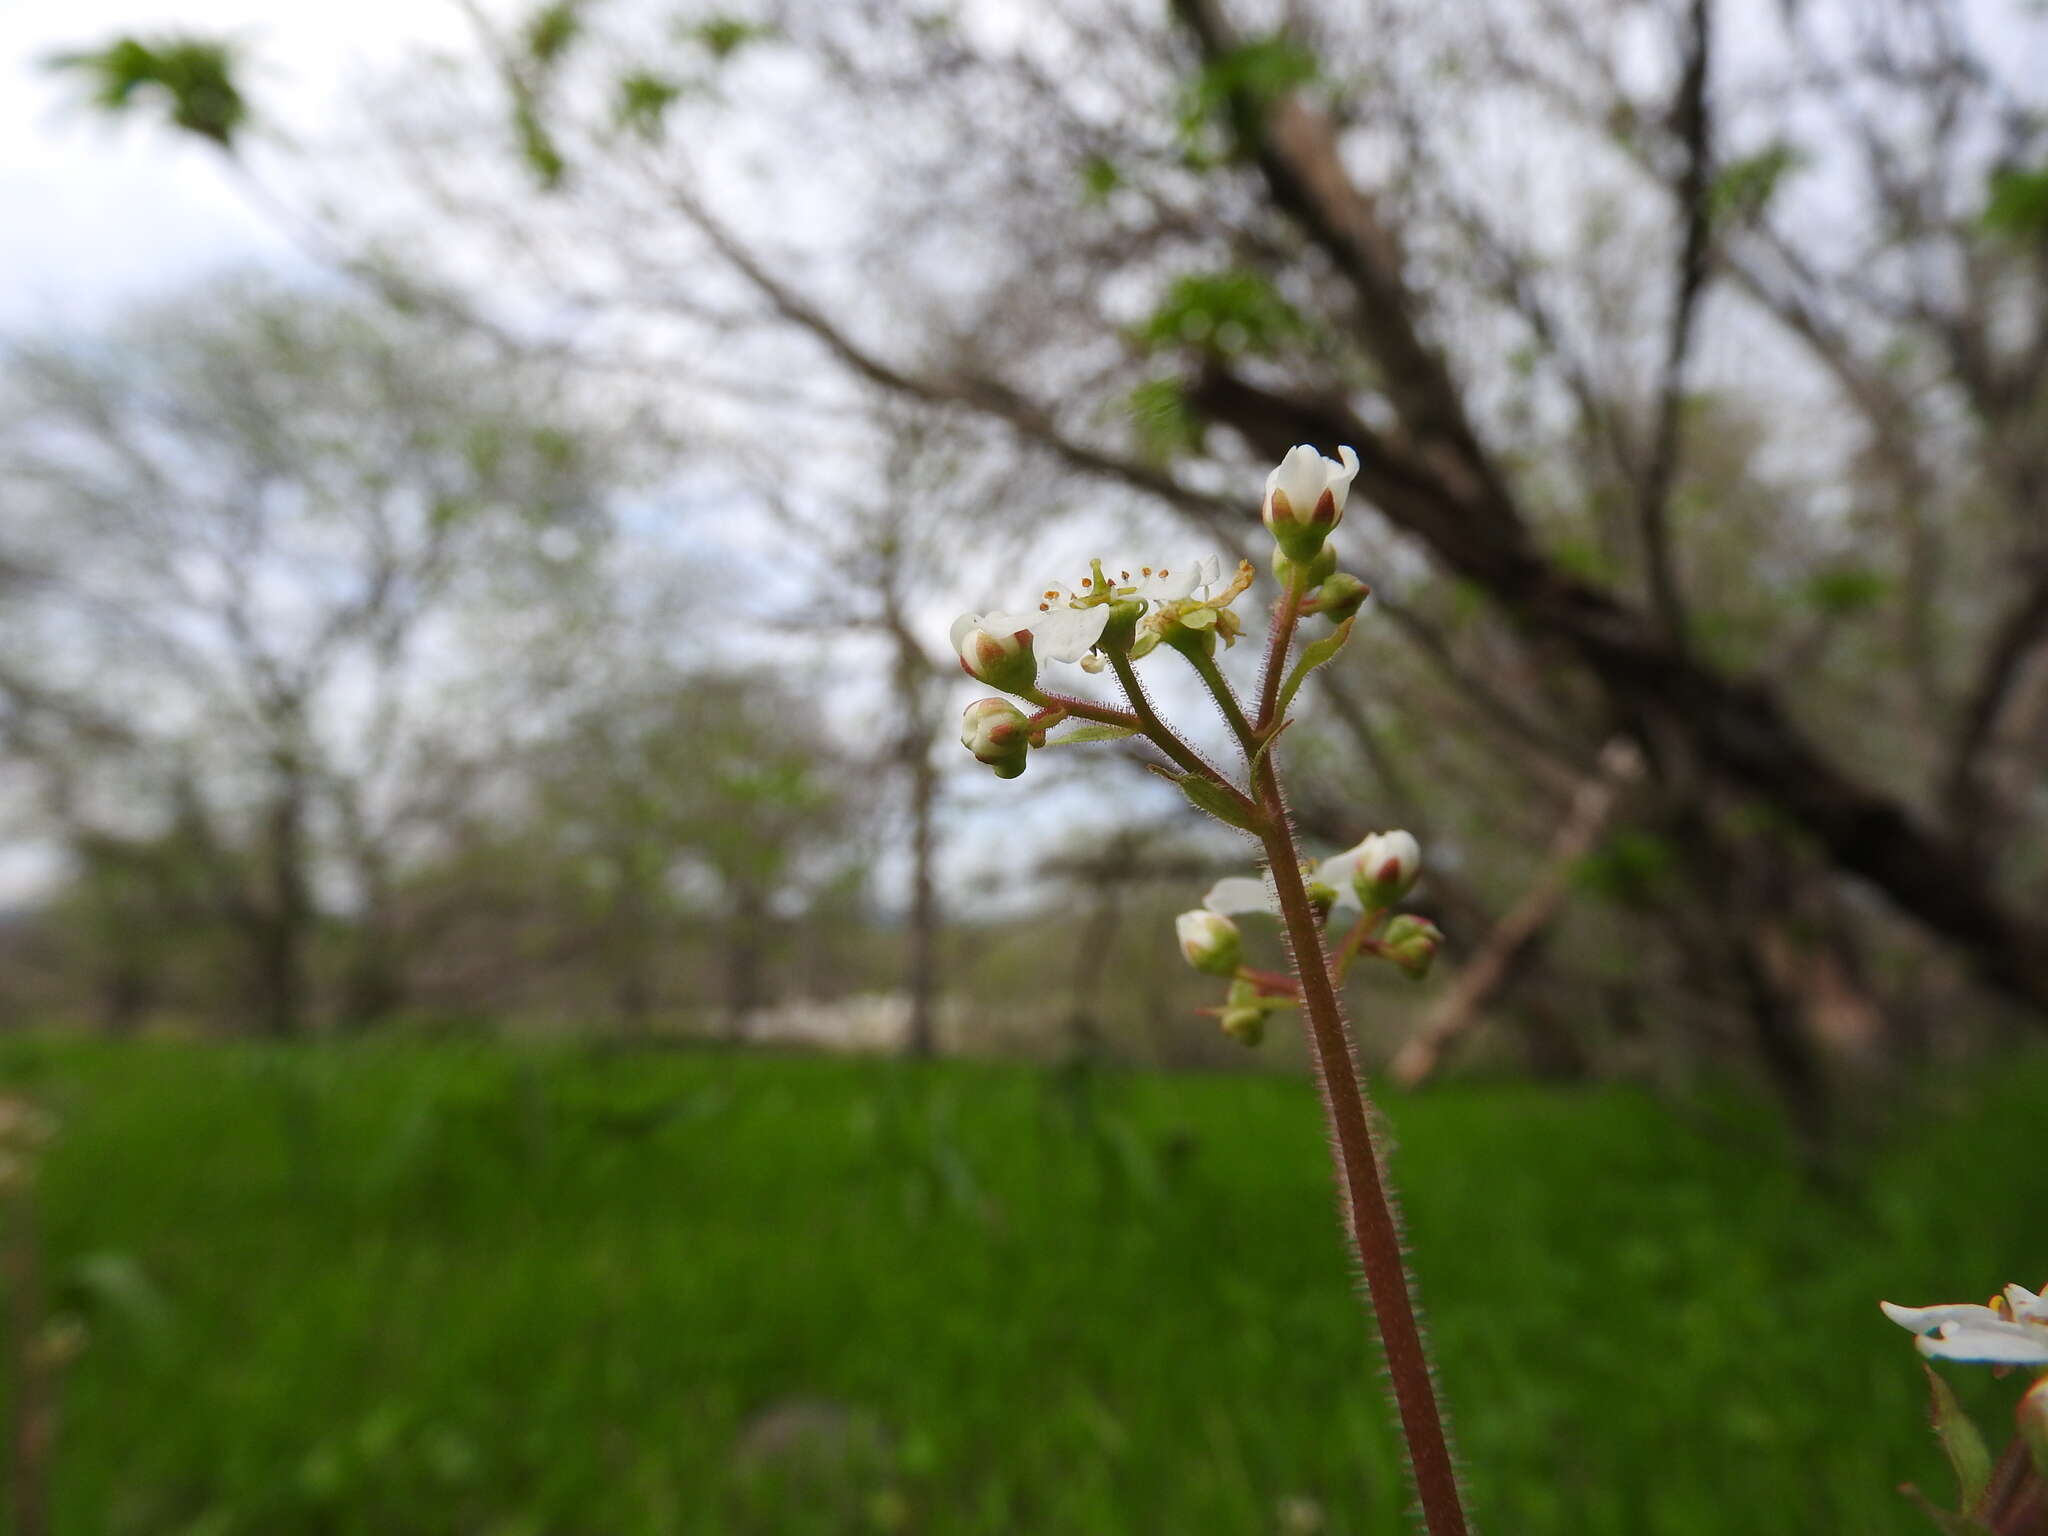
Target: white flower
[1305, 497]
[1064, 623]
[1059, 630]
[1380, 870]
[2012, 1330]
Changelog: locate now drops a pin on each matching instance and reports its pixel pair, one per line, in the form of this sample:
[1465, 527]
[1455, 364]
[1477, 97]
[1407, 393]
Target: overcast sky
[94, 213]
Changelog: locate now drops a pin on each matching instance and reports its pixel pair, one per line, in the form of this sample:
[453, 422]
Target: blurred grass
[445, 1288]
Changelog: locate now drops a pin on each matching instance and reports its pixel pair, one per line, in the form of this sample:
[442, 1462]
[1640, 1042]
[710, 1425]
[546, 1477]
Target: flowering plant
[1110, 620]
[2009, 1333]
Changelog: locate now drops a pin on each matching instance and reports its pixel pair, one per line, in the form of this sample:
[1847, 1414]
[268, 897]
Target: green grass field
[413, 1288]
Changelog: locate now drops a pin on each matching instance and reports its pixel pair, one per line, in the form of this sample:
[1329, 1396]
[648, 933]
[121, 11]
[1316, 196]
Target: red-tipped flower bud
[1305, 499]
[996, 732]
[996, 651]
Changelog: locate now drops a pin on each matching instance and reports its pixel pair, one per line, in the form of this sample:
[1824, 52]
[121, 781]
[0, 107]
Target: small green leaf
[1099, 178]
[725, 36]
[2016, 203]
[1166, 424]
[1960, 1441]
[1219, 802]
[552, 30]
[1845, 590]
[1313, 655]
[1089, 733]
[1744, 187]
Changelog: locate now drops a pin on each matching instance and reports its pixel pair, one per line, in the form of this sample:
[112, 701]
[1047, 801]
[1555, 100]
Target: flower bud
[1000, 656]
[1411, 943]
[1305, 499]
[1384, 868]
[996, 732]
[1247, 1026]
[1341, 596]
[1210, 941]
[1313, 572]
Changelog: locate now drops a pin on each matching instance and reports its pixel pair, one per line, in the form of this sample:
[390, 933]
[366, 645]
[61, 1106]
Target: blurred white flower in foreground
[2011, 1330]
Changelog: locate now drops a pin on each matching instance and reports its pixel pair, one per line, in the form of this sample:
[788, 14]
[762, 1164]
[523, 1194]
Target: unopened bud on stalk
[1312, 572]
[1305, 499]
[1000, 657]
[1341, 596]
[1385, 867]
[1411, 943]
[1247, 1026]
[1210, 941]
[996, 732]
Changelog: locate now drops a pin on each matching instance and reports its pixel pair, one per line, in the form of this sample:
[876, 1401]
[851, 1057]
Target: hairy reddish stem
[1371, 1219]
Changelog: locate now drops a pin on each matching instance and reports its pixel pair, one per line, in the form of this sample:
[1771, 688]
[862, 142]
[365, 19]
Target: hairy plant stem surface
[1370, 1215]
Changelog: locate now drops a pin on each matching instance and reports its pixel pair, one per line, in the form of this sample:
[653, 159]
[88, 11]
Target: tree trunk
[278, 931]
[743, 955]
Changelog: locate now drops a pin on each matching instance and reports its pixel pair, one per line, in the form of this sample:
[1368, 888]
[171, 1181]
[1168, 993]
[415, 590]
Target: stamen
[1123, 575]
[1145, 570]
[1045, 607]
[1087, 581]
[1054, 593]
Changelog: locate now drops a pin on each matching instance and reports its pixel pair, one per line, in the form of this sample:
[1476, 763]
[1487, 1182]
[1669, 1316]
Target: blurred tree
[674, 801]
[249, 527]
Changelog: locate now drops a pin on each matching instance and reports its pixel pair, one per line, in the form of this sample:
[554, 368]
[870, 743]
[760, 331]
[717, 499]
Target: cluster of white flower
[1117, 614]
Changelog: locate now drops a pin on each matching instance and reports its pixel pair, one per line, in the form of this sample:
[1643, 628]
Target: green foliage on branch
[2017, 203]
[1228, 313]
[1744, 187]
[197, 74]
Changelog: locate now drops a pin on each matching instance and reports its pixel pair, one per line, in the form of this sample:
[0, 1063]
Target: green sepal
[1961, 1443]
[1313, 655]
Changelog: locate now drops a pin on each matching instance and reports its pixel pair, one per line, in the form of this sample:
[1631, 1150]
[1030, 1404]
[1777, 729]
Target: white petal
[1068, 634]
[1208, 570]
[1304, 475]
[1342, 475]
[1927, 1319]
[1175, 581]
[1335, 874]
[2025, 1305]
[964, 626]
[1993, 1343]
[1241, 893]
